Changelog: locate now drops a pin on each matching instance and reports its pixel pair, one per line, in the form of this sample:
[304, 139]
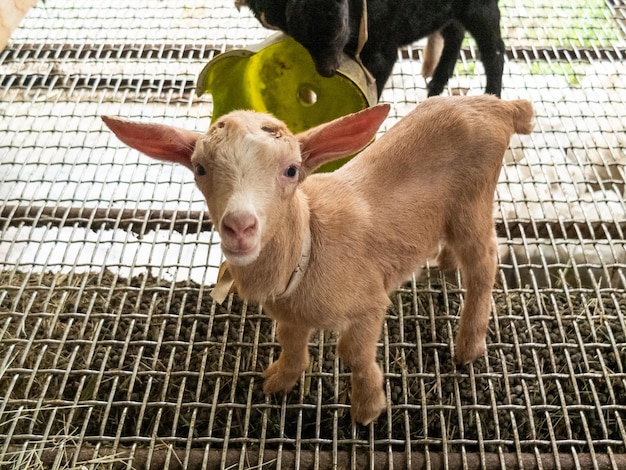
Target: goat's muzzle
[240, 235]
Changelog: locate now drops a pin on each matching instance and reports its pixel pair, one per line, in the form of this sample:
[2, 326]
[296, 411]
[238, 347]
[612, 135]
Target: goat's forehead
[239, 123]
[243, 133]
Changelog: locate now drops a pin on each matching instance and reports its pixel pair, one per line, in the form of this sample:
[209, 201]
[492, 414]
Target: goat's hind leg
[475, 251]
[283, 374]
[357, 348]
[446, 259]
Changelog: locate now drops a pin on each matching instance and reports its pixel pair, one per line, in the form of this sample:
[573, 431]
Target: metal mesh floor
[112, 354]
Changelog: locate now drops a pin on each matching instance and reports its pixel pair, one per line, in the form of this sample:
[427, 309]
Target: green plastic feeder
[278, 77]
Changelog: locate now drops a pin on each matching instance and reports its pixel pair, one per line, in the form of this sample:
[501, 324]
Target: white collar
[300, 269]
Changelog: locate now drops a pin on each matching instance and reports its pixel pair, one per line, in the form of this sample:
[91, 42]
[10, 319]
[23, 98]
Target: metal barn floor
[112, 354]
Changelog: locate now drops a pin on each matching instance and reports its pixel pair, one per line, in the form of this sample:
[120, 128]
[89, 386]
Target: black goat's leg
[379, 60]
[484, 26]
[453, 35]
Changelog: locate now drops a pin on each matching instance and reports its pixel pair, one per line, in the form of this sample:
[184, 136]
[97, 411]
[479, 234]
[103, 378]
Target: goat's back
[450, 142]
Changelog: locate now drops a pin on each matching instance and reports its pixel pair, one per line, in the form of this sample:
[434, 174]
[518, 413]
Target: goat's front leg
[283, 373]
[357, 347]
[484, 24]
[453, 35]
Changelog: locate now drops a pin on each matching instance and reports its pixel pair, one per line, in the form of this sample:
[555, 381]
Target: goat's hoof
[468, 351]
[368, 399]
[279, 378]
[434, 88]
[366, 409]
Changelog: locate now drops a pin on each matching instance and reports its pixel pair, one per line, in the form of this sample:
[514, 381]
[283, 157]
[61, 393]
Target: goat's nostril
[228, 230]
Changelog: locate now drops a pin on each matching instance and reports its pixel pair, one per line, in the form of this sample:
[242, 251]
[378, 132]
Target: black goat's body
[328, 27]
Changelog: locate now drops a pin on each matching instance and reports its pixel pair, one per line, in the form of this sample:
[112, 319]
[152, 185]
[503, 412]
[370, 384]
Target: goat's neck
[268, 276]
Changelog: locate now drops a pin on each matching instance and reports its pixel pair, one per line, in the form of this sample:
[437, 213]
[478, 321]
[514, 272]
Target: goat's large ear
[155, 140]
[342, 137]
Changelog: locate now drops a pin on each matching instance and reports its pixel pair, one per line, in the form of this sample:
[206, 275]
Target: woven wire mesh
[112, 353]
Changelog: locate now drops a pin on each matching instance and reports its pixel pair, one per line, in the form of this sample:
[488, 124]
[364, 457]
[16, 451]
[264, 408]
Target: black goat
[328, 27]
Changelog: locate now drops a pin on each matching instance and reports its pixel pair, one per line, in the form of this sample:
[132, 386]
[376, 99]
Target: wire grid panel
[112, 353]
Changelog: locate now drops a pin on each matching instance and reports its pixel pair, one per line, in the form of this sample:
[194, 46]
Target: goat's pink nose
[239, 225]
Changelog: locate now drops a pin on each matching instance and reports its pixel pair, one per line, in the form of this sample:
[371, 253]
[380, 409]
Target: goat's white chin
[237, 258]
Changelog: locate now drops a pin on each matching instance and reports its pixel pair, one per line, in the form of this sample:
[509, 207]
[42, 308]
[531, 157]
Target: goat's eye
[291, 171]
[200, 171]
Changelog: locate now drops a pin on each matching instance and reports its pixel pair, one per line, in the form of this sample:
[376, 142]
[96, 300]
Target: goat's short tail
[523, 116]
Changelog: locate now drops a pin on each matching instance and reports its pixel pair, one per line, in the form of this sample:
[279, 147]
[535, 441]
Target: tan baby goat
[323, 251]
